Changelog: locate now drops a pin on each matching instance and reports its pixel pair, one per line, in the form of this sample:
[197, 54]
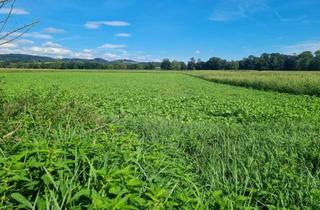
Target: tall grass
[257, 164]
[56, 153]
[307, 83]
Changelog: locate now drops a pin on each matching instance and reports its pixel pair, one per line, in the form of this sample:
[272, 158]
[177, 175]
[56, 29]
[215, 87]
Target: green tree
[175, 65]
[200, 65]
[166, 64]
[249, 63]
[305, 60]
[232, 65]
[140, 66]
[276, 61]
[192, 64]
[264, 62]
[150, 66]
[216, 63]
[119, 65]
[316, 61]
[183, 65]
[290, 63]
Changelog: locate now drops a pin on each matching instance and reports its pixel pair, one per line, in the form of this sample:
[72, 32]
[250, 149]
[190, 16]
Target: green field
[107, 140]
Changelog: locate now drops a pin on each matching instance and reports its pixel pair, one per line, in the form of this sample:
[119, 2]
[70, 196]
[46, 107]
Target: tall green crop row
[300, 83]
[255, 164]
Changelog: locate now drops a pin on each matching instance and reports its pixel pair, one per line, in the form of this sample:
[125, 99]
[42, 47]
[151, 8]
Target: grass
[307, 83]
[105, 140]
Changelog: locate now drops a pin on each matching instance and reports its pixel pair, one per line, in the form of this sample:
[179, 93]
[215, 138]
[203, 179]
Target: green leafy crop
[103, 140]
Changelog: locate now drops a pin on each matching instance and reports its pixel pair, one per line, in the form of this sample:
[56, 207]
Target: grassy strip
[299, 83]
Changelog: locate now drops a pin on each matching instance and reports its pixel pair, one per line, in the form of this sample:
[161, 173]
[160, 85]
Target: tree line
[70, 64]
[274, 61]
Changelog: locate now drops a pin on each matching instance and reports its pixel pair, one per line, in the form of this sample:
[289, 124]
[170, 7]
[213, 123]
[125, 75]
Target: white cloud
[197, 52]
[98, 24]
[111, 56]
[14, 11]
[58, 52]
[9, 45]
[15, 42]
[24, 41]
[92, 25]
[113, 46]
[51, 49]
[116, 23]
[55, 50]
[10, 51]
[301, 47]
[51, 30]
[85, 54]
[37, 35]
[123, 35]
[51, 44]
[87, 50]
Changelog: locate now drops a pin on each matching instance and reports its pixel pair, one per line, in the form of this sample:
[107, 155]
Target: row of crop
[295, 83]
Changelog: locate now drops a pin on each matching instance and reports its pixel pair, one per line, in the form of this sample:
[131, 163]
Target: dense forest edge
[307, 61]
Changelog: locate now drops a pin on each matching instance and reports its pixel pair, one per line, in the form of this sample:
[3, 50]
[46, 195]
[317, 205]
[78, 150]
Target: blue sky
[147, 30]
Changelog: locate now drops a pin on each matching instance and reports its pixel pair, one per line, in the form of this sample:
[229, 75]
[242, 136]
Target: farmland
[156, 140]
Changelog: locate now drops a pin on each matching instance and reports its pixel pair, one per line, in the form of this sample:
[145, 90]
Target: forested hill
[275, 61]
[23, 58]
[42, 62]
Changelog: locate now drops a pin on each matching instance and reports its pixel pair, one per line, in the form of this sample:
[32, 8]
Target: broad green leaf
[22, 200]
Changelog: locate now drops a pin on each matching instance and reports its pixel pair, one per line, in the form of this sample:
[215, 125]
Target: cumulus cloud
[51, 44]
[123, 35]
[14, 11]
[113, 46]
[85, 54]
[87, 50]
[16, 42]
[55, 52]
[9, 45]
[197, 52]
[98, 24]
[111, 56]
[51, 30]
[50, 49]
[58, 52]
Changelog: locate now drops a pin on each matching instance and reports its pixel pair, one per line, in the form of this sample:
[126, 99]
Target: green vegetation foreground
[154, 141]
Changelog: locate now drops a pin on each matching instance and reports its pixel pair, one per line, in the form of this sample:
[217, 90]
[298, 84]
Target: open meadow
[159, 140]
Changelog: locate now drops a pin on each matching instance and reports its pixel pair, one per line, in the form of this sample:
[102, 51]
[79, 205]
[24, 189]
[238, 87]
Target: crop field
[307, 83]
[120, 140]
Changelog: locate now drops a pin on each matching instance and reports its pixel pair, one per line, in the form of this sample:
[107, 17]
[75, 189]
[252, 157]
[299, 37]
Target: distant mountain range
[34, 58]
